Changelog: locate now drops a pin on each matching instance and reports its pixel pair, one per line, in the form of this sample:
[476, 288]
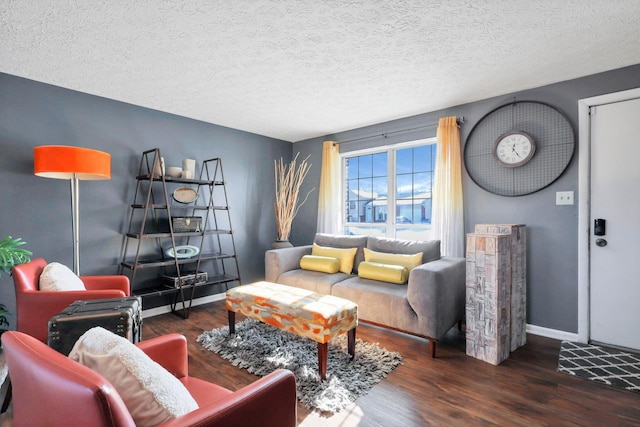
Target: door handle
[601, 242]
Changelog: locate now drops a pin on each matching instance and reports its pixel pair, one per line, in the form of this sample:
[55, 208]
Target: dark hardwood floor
[451, 390]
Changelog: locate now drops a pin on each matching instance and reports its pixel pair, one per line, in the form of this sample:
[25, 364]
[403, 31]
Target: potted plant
[289, 179]
[10, 255]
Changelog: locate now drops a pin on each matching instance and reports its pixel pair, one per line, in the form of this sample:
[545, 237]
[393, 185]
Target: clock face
[514, 148]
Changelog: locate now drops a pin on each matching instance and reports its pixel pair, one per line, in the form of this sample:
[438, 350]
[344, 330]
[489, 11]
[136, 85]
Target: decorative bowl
[173, 171]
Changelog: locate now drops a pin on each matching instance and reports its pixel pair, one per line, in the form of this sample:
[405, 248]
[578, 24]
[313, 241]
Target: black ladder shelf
[151, 241]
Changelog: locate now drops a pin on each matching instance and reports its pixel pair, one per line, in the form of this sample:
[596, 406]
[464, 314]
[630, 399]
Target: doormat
[261, 349]
[611, 367]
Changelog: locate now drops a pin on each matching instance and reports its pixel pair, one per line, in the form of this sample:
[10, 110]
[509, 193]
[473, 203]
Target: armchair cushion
[149, 391]
[58, 277]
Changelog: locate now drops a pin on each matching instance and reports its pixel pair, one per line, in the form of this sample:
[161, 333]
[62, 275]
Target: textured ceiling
[296, 69]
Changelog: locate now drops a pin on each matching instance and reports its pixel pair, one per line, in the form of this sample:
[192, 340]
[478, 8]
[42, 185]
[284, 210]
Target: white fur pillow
[151, 393]
[58, 277]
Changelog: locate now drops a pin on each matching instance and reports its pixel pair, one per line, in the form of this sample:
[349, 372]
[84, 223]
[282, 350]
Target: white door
[615, 197]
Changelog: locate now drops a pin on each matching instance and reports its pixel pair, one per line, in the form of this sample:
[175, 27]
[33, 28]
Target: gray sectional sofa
[428, 305]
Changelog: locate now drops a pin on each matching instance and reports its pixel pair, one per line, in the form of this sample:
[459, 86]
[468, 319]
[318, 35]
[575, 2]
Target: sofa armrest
[278, 261]
[169, 351]
[436, 292]
[269, 401]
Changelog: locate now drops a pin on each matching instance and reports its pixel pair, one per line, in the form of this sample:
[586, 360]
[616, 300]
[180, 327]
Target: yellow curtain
[447, 205]
[329, 192]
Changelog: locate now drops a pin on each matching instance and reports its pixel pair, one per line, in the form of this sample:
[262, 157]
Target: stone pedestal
[518, 315]
[488, 297]
[496, 291]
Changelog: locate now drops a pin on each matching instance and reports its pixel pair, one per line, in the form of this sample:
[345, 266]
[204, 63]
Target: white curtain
[447, 205]
[328, 194]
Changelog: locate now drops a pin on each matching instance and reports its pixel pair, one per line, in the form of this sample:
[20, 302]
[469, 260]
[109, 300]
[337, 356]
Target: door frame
[584, 201]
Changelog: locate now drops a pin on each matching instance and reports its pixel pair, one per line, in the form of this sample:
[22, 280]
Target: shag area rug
[261, 349]
[599, 364]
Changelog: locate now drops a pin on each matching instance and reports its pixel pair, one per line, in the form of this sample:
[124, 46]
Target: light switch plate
[564, 198]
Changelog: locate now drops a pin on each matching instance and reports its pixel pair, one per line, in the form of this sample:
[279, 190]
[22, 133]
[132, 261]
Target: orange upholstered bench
[305, 313]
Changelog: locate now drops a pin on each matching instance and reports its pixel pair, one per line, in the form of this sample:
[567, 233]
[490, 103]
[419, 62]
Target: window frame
[390, 224]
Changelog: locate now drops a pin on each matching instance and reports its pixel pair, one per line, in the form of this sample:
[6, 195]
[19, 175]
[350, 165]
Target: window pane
[380, 187]
[352, 167]
[422, 159]
[365, 231]
[403, 161]
[365, 166]
[422, 184]
[404, 186]
[380, 164]
[364, 189]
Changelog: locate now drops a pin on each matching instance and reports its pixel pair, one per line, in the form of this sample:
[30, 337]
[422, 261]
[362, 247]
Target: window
[387, 191]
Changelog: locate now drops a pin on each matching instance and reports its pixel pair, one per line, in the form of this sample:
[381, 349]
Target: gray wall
[38, 209]
[552, 294]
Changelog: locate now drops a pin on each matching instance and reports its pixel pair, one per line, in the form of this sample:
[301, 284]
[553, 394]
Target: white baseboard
[156, 311]
[551, 333]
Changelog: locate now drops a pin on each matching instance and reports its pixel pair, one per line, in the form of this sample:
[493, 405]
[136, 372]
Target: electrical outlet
[564, 198]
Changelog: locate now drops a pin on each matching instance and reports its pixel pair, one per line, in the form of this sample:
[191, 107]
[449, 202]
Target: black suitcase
[122, 316]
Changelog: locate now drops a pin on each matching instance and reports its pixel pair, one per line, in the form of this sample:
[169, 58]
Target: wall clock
[519, 148]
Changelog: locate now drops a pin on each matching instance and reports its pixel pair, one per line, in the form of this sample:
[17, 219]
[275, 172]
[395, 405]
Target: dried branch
[288, 182]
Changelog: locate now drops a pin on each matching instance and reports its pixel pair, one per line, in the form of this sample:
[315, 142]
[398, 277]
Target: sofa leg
[460, 325]
[432, 348]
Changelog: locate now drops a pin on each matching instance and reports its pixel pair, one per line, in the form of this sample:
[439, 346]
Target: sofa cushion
[152, 394]
[385, 272]
[408, 261]
[345, 256]
[382, 303]
[343, 241]
[313, 281]
[430, 249]
[59, 277]
[322, 264]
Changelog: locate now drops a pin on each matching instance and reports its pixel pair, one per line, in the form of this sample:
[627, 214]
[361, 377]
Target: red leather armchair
[34, 307]
[51, 389]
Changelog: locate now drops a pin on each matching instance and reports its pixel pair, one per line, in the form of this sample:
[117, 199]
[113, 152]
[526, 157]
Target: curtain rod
[459, 120]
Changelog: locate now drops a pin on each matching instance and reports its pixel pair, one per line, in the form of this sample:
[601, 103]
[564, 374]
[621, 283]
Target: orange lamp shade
[63, 162]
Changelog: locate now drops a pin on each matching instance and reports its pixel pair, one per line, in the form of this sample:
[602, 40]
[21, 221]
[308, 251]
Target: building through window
[387, 191]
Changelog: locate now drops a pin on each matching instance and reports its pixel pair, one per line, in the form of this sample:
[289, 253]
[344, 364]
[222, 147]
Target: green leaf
[11, 254]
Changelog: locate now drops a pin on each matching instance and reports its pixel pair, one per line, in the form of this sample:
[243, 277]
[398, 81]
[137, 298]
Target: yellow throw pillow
[344, 255]
[408, 261]
[323, 264]
[383, 272]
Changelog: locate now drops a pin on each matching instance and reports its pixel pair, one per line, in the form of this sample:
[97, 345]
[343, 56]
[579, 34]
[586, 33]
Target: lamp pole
[75, 222]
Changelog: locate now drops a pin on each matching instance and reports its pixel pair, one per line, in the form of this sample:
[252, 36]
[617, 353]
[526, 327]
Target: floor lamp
[75, 164]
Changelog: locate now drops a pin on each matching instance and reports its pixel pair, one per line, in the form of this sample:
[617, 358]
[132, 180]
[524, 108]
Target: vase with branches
[289, 178]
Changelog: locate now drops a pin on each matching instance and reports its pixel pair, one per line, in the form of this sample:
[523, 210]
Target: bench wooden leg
[322, 360]
[351, 342]
[232, 322]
